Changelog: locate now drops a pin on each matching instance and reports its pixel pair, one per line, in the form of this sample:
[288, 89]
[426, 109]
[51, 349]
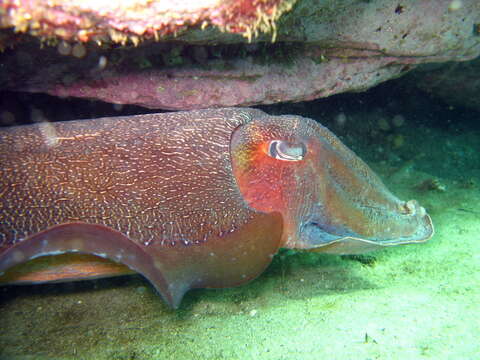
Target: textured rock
[322, 48]
[137, 20]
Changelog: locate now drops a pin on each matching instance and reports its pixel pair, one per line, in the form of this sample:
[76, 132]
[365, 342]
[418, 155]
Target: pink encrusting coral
[136, 20]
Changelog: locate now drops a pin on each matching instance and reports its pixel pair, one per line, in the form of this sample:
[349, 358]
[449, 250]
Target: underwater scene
[240, 180]
[418, 301]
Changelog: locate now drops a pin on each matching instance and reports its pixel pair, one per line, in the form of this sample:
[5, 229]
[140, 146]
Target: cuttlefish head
[330, 200]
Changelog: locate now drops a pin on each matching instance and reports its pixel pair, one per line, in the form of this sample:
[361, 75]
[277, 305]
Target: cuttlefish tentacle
[191, 199]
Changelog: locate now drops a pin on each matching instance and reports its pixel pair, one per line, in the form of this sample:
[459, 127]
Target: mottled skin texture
[191, 199]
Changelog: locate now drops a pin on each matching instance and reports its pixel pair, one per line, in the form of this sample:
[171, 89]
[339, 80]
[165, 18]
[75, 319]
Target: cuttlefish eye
[287, 151]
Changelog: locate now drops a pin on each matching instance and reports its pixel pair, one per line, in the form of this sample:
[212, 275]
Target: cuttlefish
[198, 199]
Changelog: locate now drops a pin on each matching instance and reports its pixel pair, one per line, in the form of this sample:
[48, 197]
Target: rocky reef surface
[167, 55]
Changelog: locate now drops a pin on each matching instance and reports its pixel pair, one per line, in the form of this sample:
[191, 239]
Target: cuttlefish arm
[191, 199]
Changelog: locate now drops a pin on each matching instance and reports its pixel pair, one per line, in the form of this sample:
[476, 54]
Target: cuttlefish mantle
[191, 199]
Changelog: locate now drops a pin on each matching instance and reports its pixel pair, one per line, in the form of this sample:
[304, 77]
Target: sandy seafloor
[411, 302]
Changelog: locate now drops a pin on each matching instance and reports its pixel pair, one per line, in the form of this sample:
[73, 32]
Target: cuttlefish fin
[93, 239]
[63, 267]
[224, 260]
